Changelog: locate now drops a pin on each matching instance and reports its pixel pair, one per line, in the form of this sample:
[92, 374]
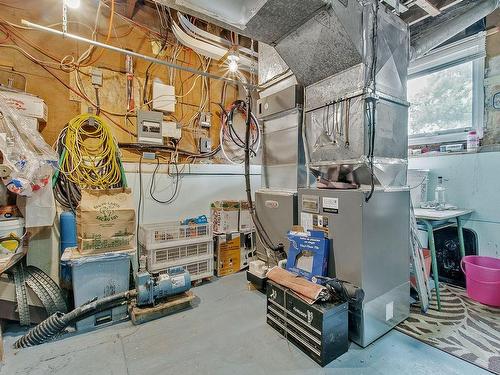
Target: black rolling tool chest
[319, 330]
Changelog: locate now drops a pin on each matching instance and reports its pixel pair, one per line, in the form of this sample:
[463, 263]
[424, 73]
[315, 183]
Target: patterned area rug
[463, 328]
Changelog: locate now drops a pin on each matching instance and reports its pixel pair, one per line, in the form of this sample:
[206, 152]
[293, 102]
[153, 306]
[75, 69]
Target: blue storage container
[100, 276]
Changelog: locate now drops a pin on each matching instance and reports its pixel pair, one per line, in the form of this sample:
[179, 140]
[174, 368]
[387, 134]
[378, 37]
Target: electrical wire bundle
[88, 159]
[152, 185]
[371, 103]
[228, 133]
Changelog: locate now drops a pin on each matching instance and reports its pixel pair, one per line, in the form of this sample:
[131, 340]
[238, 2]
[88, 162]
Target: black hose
[373, 74]
[57, 322]
[66, 192]
[346, 291]
[241, 106]
[258, 225]
[44, 331]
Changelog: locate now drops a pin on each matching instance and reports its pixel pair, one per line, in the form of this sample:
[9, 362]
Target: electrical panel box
[163, 97]
[205, 120]
[149, 127]
[205, 145]
[171, 129]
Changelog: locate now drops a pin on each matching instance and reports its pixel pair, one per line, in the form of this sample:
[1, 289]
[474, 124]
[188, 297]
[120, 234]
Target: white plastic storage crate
[179, 252]
[156, 235]
[198, 269]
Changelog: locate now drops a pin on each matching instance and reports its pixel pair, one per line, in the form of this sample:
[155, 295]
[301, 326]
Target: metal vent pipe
[439, 32]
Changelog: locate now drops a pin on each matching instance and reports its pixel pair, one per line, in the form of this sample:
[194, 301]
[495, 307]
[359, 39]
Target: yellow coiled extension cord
[91, 159]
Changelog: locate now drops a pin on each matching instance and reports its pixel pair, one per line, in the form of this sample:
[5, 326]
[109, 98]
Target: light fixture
[233, 66]
[233, 59]
[73, 4]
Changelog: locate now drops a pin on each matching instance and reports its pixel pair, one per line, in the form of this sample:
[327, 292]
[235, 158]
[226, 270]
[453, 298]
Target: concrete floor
[226, 333]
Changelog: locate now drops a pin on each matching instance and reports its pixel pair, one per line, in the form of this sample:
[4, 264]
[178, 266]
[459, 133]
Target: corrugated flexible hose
[56, 323]
[44, 331]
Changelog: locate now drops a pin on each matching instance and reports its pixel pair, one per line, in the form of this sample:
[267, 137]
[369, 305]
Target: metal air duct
[438, 32]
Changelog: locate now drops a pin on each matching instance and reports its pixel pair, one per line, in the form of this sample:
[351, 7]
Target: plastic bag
[39, 210]
[28, 161]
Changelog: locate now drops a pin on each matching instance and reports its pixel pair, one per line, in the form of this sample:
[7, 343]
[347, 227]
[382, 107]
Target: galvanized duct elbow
[439, 32]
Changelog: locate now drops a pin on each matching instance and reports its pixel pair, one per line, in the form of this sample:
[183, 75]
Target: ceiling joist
[419, 10]
[428, 7]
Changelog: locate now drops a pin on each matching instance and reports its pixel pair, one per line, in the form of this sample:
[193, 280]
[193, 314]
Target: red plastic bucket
[482, 275]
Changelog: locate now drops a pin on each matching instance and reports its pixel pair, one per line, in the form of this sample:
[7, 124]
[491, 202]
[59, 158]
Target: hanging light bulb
[233, 66]
[73, 4]
[233, 59]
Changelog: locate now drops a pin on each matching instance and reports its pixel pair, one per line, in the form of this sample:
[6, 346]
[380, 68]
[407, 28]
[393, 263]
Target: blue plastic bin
[100, 276]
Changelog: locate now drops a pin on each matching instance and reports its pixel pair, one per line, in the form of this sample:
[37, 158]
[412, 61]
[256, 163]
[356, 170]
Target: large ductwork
[346, 53]
[352, 58]
[439, 31]
[315, 38]
[319, 38]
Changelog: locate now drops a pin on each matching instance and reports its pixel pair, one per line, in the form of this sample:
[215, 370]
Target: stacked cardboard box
[233, 252]
[234, 236]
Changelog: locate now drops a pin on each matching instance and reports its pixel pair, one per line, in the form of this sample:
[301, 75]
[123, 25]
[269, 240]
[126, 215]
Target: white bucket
[14, 226]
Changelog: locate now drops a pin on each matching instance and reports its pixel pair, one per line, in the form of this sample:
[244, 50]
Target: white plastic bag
[39, 210]
[28, 161]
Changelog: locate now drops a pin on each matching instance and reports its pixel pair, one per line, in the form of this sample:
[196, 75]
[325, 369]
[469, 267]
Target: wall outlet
[205, 120]
[205, 145]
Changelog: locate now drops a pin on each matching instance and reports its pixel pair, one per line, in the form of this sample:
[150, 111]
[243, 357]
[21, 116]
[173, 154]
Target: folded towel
[304, 289]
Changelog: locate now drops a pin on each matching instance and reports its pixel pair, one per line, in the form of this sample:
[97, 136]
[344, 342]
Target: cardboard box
[308, 253]
[248, 248]
[227, 253]
[28, 105]
[233, 252]
[225, 216]
[245, 222]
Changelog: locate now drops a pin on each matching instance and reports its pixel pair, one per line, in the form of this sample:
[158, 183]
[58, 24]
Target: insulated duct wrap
[277, 18]
[338, 121]
[341, 51]
[309, 49]
[332, 55]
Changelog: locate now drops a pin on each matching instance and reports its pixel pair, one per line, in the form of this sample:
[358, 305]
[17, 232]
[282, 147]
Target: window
[445, 91]
[441, 101]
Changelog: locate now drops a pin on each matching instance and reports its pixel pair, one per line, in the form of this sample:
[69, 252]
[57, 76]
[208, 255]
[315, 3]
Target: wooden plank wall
[63, 104]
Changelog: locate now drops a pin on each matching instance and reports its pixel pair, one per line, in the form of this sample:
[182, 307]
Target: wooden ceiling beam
[416, 13]
[428, 7]
[131, 8]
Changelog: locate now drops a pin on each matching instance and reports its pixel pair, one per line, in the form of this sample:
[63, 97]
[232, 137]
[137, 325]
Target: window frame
[470, 49]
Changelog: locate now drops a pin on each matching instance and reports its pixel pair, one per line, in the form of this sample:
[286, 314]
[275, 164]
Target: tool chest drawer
[319, 330]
